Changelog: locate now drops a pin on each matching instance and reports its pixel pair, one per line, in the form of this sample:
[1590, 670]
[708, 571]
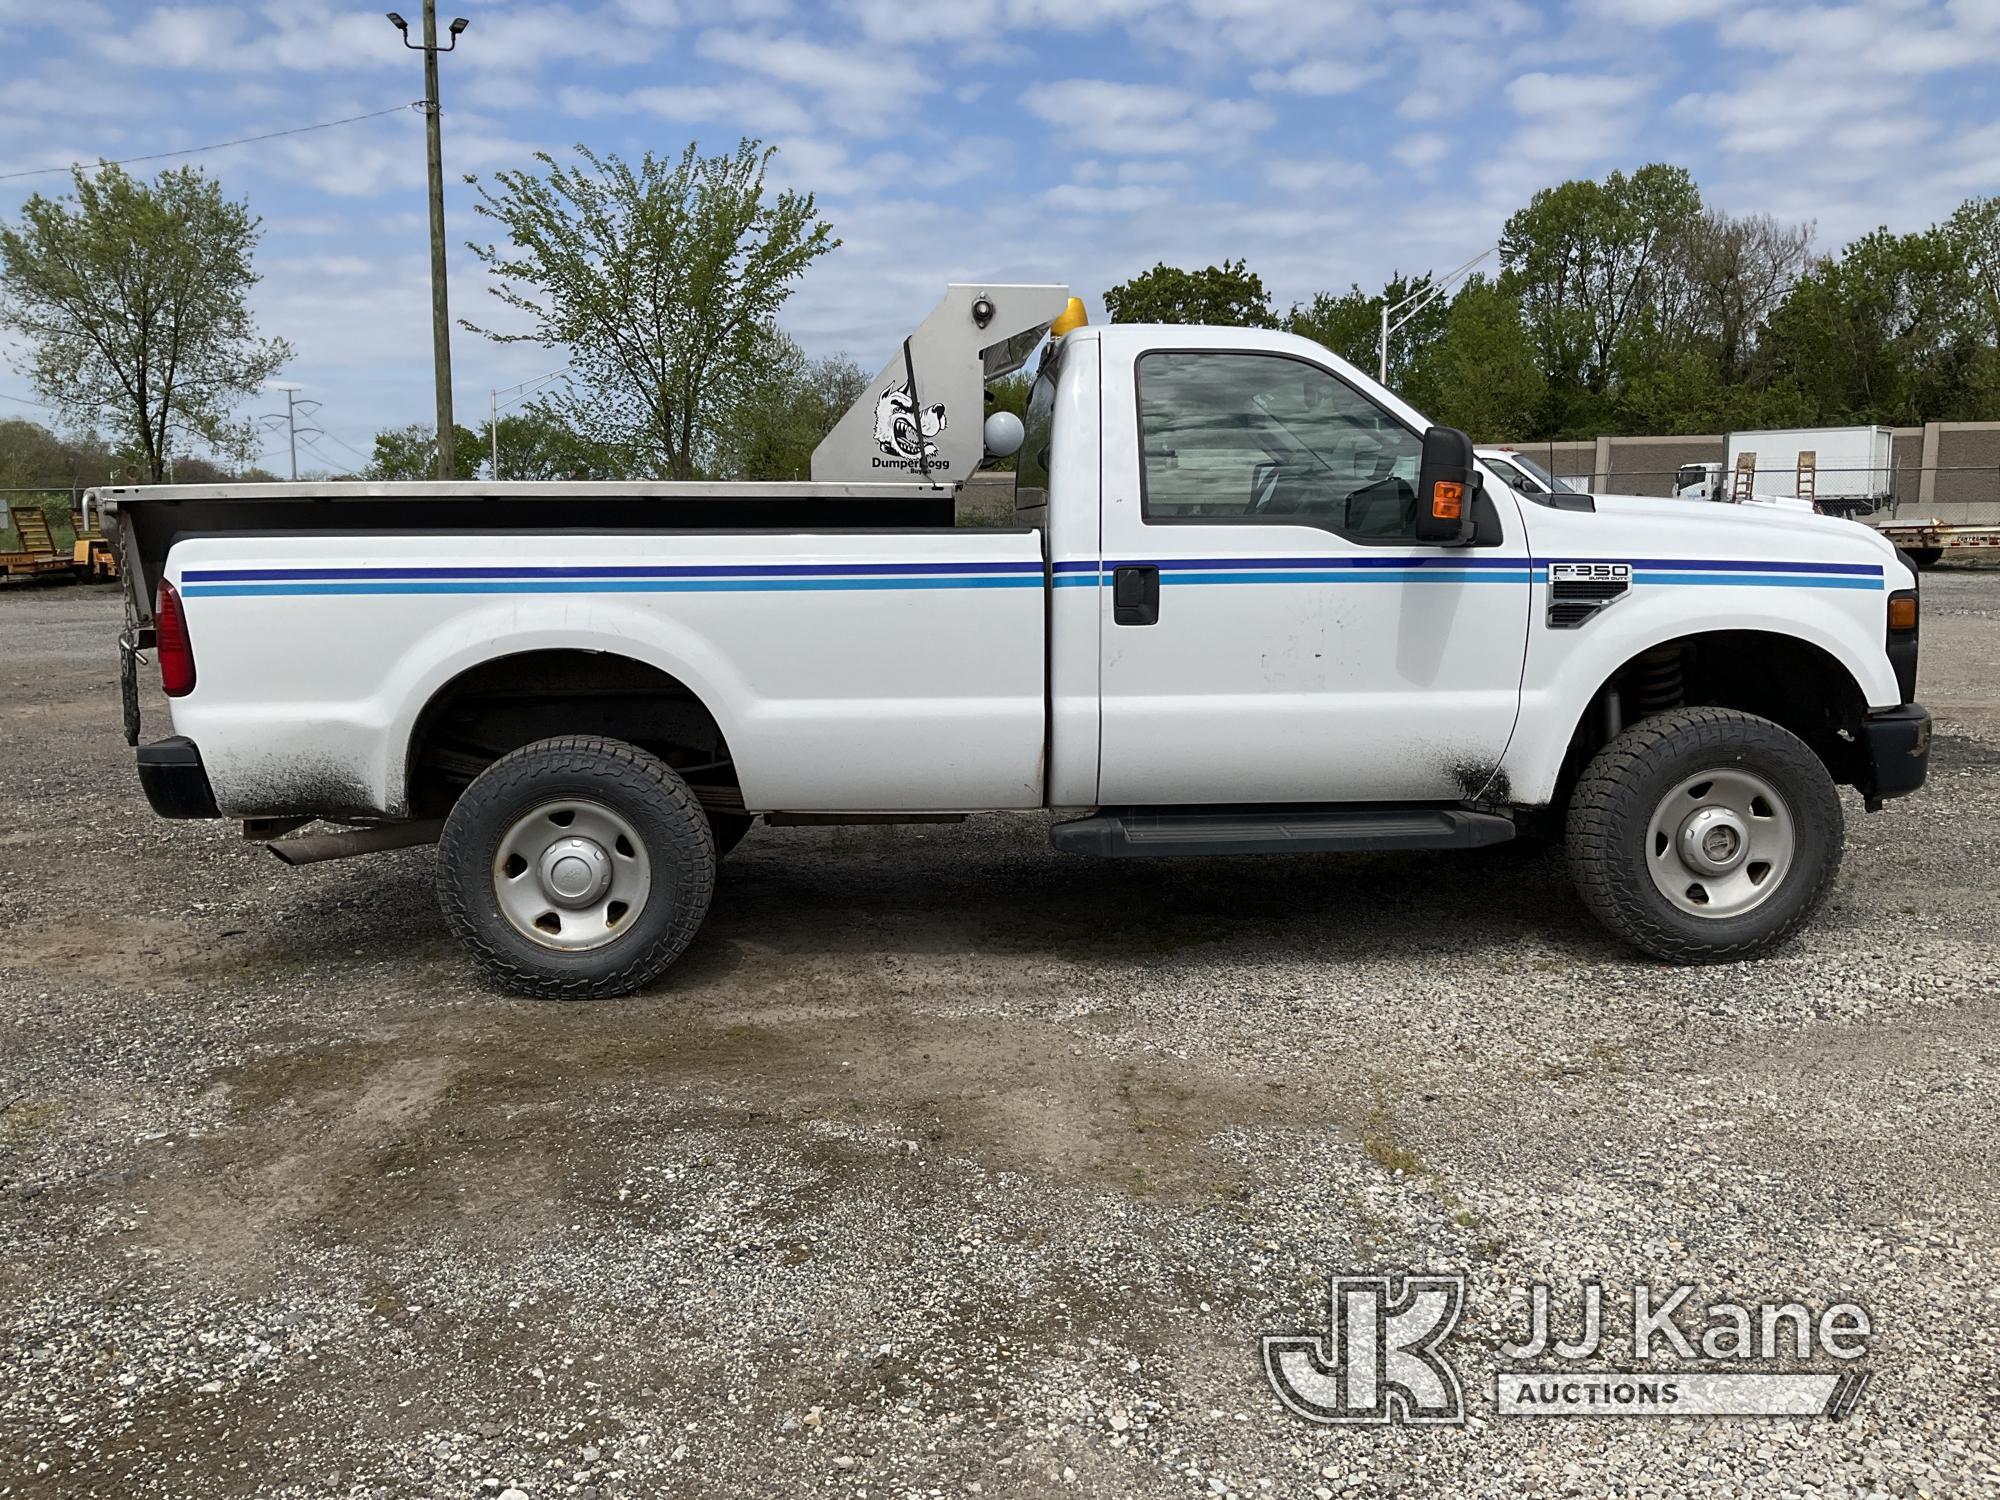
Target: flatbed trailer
[37, 557]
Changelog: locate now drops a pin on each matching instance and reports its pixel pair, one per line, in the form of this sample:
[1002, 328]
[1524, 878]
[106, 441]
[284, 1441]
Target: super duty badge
[1578, 590]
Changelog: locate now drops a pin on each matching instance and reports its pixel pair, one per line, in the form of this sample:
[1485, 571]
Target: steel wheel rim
[1721, 843]
[571, 874]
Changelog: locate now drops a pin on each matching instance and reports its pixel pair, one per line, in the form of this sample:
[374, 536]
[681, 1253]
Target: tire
[728, 830]
[1642, 830]
[601, 816]
[1924, 557]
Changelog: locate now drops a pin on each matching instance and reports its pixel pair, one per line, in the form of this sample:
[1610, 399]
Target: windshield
[1549, 481]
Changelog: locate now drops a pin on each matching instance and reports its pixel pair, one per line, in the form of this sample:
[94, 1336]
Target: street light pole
[1417, 302]
[434, 154]
[514, 393]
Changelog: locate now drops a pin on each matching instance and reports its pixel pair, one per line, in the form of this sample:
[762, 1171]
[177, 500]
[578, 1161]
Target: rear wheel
[576, 868]
[1704, 835]
[1924, 557]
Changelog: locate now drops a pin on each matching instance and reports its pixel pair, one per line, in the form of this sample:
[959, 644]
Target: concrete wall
[1909, 461]
[1646, 465]
[1950, 470]
[1965, 479]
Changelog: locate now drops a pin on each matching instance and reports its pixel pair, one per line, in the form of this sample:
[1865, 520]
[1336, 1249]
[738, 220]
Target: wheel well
[511, 701]
[1777, 677]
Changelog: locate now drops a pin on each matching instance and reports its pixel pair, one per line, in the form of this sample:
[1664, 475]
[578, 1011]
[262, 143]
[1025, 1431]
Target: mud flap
[128, 687]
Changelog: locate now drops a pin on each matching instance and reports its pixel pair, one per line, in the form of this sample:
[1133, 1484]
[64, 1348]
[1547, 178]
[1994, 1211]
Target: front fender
[1566, 668]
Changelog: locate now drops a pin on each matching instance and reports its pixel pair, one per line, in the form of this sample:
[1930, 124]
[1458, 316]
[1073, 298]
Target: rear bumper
[1895, 752]
[175, 780]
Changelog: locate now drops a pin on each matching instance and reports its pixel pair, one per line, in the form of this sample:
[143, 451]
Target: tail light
[171, 640]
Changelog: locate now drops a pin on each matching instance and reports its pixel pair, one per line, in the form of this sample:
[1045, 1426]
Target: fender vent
[1579, 590]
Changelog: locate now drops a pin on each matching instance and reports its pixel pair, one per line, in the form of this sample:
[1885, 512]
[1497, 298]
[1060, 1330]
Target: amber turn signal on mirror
[1448, 500]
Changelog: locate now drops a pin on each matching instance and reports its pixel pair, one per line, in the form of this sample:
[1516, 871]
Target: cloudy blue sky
[1327, 141]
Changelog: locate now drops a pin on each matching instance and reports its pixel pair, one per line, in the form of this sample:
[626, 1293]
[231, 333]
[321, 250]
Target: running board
[1187, 832]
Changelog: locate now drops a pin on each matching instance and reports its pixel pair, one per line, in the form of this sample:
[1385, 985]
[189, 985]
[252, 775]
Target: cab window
[1031, 465]
[1230, 437]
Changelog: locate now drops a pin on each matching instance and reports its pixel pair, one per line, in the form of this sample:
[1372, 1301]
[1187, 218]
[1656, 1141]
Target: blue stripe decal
[1519, 574]
[1697, 565]
[1717, 580]
[779, 577]
[602, 586]
[720, 570]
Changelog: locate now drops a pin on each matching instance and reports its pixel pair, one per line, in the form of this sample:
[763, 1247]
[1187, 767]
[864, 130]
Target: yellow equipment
[90, 556]
[37, 555]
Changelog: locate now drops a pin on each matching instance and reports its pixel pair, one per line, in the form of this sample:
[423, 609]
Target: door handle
[1135, 596]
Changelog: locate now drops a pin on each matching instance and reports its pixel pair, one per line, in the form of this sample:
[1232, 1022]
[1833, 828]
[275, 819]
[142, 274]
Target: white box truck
[1853, 468]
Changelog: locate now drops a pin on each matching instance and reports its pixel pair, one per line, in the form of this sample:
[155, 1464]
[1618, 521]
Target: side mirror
[1446, 482]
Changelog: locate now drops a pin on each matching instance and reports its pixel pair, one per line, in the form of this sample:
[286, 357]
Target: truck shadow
[1006, 893]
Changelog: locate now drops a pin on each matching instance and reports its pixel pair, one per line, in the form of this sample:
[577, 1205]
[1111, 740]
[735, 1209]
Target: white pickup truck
[1254, 604]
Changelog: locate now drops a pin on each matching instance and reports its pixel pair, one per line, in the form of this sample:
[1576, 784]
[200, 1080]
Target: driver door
[1271, 630]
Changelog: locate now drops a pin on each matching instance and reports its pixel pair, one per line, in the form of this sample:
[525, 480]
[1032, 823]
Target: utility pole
[434, 153]
[289, 420]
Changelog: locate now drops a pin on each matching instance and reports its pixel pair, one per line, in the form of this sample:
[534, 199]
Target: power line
[313, 448]
[269, 135]
[350, 447]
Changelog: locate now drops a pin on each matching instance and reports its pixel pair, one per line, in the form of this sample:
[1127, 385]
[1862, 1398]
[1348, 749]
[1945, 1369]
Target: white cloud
[860, 90]
[1661, 13]
[1322, 76]
[1867, 40]
[1136, 119]
[1125, 198]
[1321, 176]
[751, 105]
[1423, 151]
[1543, 94]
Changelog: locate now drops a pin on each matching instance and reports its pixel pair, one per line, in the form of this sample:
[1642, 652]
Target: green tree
[132, 299]
[1727, 276]
[1480, 372]
[1227, 296]
[660, 281]
[31, 454]
[536, 443]
[411, 453]
[1880, 334]
[1592, 264]
[1351, 326]
[782, 415]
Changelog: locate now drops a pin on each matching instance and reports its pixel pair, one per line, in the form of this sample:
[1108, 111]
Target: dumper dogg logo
[904, 433]
[1382, 1358]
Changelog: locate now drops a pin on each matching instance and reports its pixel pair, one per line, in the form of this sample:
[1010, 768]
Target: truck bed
[145, 520]
[848, 669]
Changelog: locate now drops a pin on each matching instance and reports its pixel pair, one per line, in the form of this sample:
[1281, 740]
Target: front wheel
[576, 868]
[1704, 835]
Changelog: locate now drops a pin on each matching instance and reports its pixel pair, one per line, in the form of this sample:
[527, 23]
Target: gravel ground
[945, 1165]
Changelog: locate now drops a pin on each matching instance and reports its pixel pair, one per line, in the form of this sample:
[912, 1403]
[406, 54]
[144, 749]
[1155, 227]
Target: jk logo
[1379, 1360]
